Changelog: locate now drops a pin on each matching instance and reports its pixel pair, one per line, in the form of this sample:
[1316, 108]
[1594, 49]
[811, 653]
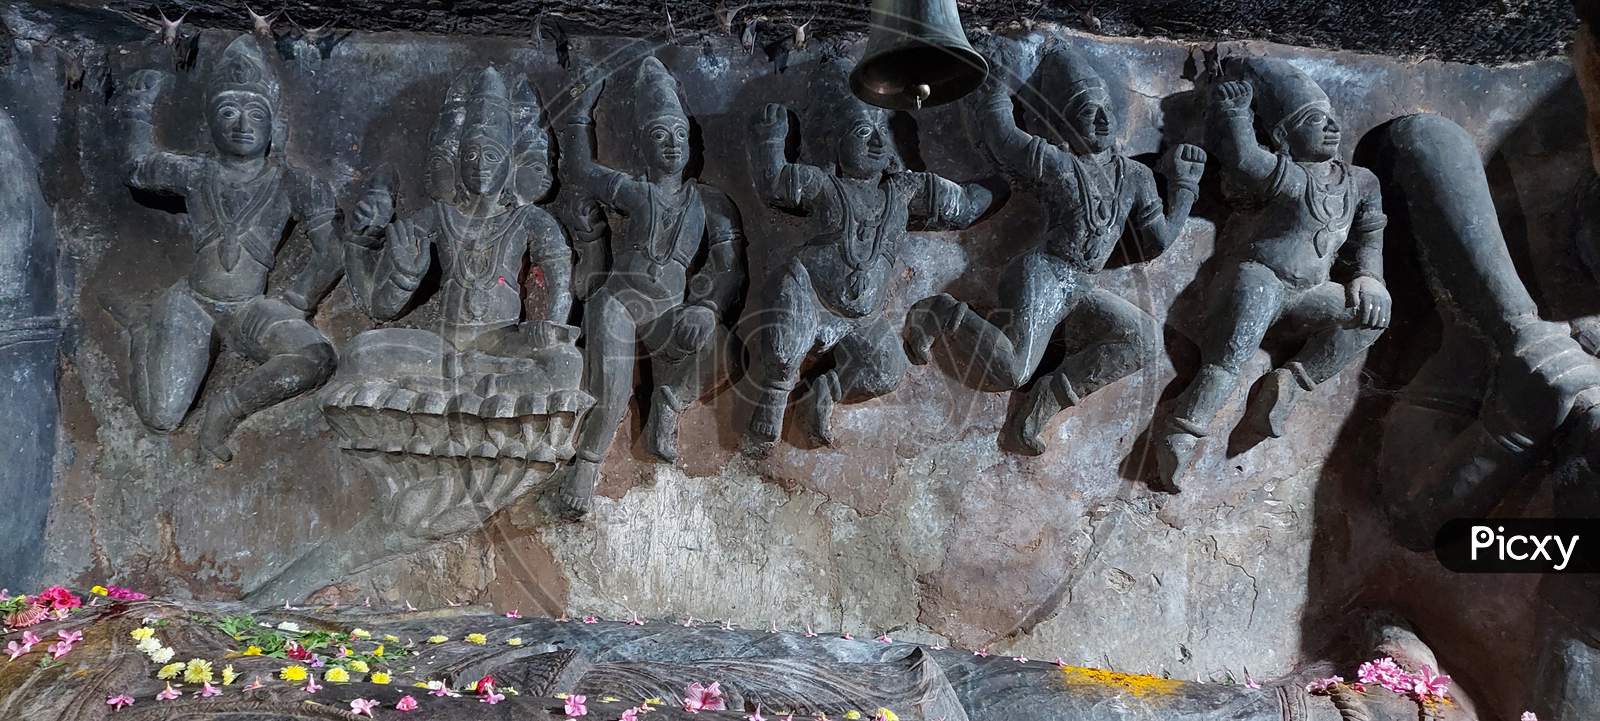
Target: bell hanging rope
[917, 56]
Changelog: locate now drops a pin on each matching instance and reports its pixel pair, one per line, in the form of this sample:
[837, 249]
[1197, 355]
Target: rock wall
[917, 524]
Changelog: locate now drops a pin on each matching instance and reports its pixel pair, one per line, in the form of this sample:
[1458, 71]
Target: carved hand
[1232, 96]
[773, 122]
[144, 86]
[693, 327]
[374, 211]
[1185, 164]
[587, 92]
[408, 250]
[1370, 300]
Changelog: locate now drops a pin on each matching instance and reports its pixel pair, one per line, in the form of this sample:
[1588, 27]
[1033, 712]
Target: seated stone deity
[1295, 207]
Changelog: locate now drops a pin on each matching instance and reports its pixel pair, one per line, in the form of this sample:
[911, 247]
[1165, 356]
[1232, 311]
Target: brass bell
[917, 56]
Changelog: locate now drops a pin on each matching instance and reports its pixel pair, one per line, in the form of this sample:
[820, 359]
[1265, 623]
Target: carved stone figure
[458, 423]
[1295, 207]
[1093, 195]
[610, 667]
[29, 336]
[1505, 391]
[674, 273]
[834, 295]
[240, 199]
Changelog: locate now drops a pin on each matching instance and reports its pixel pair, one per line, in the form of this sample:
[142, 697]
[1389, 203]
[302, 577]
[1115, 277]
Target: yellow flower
[141, 633]
[100, 591]
[337, 674]
[654, 701]
[887, 715]
[378, 651]
[391, 638]
[293, 673]
[358, 666]
[563, 695]
[252, 651]
[421, 684]
[228, 675]
[360, 633]
[514, 642]
[853, 715]
[198, 671]
[170, 671]
[477, 638]
[379, 677]
[438, 639]
[610, 699]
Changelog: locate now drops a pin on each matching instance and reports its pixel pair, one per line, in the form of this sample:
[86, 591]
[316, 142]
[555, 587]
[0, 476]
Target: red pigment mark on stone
[538, 277]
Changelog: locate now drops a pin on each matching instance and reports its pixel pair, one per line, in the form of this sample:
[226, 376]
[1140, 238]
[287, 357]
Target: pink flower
[810, 633]
[58, 599]
[591, 619]
[363, 706]
[15, 649]
[296, 652]
[316, 661]
[576, 707]
[70, 637]
[1528, 716]
[981, 653]
[441, 689]
[757, 715]
[636, 621]
[484, 685]
[59, 649]
[119, 701]
[847, 637]
[513, 613]
[704, 698]
[406, 703]
[1061, 662]
[1386, 673]
[207, 691]
[311, 684]
[118, 593]
[31, 615]
[492, 698]
[885, 639]
[1250, 682]
[1020, 659]
[1324, 685]
[29, 639]
[1429, 684]
[169, 693]
[631, 714]
[255, 683]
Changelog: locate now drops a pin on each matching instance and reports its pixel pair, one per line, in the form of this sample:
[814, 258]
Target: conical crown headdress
[1281, 90]
[655, 93]
[489, 109]
[834, 108]
[242, 68]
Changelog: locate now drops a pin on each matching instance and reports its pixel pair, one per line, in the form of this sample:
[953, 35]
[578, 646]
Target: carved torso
[237, 228]
[1298, 222]
[1087, 202]
[664, 233]
[483, 258]
[860, 225]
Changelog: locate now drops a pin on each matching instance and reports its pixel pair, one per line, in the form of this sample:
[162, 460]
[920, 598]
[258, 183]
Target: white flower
[161, 655]
[289, 626]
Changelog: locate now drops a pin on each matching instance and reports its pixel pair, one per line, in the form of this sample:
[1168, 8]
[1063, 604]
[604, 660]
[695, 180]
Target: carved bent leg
[295, 357]
[171, 354]
[1332, 342]
[1236, 322]
[682, 375]
[611, 338]
[1036, 292]
[786, 332]
[1114, 337]
[868, 363]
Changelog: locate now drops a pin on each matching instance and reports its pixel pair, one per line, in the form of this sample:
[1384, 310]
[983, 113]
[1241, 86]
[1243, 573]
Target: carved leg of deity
[868, 363]
[171, 354]
[611, 345]
[295, 357]
[1113, 339]
[1331, 343]
[1036, 291]
[1240, 314]
[785, 333]
[682, 375]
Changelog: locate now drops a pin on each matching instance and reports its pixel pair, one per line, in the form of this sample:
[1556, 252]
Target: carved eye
[682, 133]
[471, 154]
[658, 135]
[491, 155]
[863, 131]
[228, 112]
[258, 115]
[1316, 117]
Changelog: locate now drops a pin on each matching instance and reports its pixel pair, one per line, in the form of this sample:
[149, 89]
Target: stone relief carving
[1505, 391]
[1295, 207]
[240, 198]
[459, 422]
[670, 278]
[1093, 194]
[834, 296]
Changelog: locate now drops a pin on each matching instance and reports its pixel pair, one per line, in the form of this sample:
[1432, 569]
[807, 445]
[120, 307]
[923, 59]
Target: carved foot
[215, 428]
[1270, 409]
[928, 319]
[1042, 402]
[574, 492]
[661, 428]
[766, 421]
[1175, 452]
[818, 416]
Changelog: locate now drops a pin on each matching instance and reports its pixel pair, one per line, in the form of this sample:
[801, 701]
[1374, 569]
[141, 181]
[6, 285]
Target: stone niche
[916, 522]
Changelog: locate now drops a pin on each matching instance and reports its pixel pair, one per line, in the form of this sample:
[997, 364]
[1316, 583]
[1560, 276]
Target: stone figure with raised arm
[675, 272]
[1093, 195]
[241, 196]
[834, 295]
[1295, 207]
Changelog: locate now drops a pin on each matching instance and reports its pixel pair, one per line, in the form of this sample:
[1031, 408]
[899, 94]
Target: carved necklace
[236, 228]
[663, 238]
[1098, 213]
[1329, 205]
[477, 248]
[863, 233]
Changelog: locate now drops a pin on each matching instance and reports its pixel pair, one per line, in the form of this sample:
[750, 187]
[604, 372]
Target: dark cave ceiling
[1477, 31]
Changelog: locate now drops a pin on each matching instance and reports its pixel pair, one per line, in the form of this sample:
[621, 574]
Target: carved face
[1090, 123]
[863, 149]
[1311, 135]
[485, 166]
[534, 177]
[666, 142]
[241, 124]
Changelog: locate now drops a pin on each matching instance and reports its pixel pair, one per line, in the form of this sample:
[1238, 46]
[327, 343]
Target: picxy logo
[1519, 545]
[1523, 547]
